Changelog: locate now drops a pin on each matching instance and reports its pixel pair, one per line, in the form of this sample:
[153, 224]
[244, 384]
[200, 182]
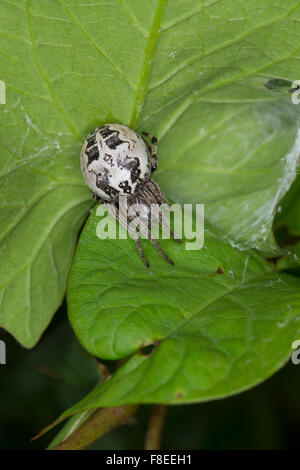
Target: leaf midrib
[150, 50]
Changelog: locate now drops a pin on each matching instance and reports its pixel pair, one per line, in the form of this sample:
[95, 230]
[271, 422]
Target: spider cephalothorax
[116, 162]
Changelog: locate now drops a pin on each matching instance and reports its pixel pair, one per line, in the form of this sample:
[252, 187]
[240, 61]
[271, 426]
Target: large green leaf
[201, 75]
[219, 321]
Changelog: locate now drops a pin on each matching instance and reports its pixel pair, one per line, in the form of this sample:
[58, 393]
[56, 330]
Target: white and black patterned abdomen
[115, 161]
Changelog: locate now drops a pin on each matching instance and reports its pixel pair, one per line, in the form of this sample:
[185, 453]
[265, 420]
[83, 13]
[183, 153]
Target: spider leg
[161, 199]
[144, 228]
[95, 197]
[164, 223]
[141, 253]
[154, 242]
[153, 151]
[156, 193]
[132, 232]
[161, 251]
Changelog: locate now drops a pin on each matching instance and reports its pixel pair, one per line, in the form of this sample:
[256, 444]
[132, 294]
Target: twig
[101, 422]
[155, 427]
[104, 370]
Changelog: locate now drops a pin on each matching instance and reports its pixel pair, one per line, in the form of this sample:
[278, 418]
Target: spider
[116, 162]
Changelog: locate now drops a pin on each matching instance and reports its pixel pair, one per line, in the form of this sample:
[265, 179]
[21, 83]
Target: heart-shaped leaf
[206, 77]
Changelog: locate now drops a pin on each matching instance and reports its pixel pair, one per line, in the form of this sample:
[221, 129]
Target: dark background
[38, 384]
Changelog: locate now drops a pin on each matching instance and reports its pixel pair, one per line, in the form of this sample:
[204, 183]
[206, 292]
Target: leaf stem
[101, 422]
[155, 428]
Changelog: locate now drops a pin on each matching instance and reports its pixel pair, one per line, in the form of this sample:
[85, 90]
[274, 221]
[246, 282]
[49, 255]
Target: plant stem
[155, 427]
[101, 422]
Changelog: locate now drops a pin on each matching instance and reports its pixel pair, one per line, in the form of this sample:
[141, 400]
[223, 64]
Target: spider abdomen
[115, 161]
